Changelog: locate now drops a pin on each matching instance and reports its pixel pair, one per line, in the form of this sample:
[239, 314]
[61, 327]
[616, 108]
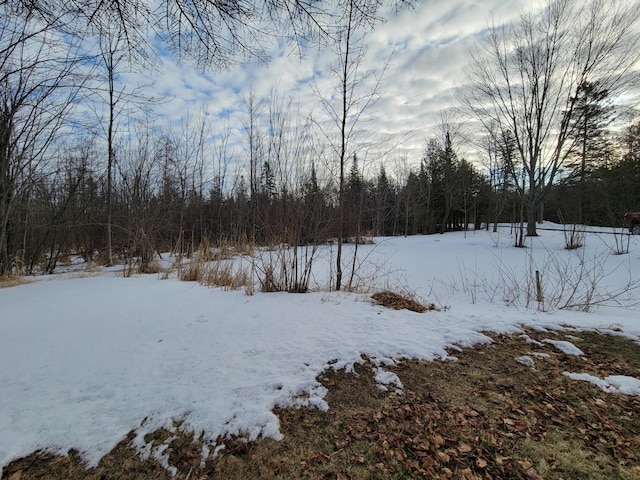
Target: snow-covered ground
[85, 360]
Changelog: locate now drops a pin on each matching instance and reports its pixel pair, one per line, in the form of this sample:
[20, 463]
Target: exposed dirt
[483, 416]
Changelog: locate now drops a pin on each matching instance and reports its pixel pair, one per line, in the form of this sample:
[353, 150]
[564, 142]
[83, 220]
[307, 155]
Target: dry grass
[223, 274]
[215, 266]
[10, 280]
[102, 259]
[482, 416]
[398, 301]
[226, 275]
[192, 272]
[559, 453]
[268, 280]
[150, 267]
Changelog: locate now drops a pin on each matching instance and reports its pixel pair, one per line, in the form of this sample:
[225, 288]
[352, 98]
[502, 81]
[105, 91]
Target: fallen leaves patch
[398, 302]
[485, 416]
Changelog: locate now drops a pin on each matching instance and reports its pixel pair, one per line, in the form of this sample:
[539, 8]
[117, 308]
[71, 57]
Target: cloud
[427, 49]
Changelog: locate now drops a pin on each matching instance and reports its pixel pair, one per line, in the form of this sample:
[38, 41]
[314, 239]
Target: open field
[146, 378]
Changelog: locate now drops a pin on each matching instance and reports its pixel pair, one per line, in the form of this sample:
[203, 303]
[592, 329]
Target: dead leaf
[438, 440]
[520, 425]
[443, 457]
[526, 464]
[321, 457]
[532, 474]
[464, 448]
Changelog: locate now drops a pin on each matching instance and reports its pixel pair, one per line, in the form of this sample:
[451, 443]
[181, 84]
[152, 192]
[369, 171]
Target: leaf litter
[484, 416]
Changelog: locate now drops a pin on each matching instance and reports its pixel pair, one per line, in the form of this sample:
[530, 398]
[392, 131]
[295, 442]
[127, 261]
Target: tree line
[164, 201]
[541, 95]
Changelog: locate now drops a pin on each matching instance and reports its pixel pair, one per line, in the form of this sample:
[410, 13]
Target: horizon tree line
[541, 90]
[161, 204]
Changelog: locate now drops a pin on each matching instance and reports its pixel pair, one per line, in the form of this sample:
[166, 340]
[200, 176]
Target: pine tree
[590, 150]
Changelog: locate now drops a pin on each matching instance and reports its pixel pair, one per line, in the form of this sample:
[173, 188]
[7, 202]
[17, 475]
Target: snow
[384, 377]
[565, 347]
[526, 360]
[86, 360]
[539, 354]
[621, 384]
[530, 340]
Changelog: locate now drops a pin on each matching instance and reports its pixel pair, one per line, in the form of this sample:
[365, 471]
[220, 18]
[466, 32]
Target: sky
[87, 355]
[427, 49]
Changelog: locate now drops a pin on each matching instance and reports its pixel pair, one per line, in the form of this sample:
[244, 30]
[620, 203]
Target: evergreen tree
[268, 182]
[385, 200]
[591, 144]
[354, 197]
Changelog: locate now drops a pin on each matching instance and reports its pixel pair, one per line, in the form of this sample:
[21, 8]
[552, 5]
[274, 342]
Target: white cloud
[430, 46]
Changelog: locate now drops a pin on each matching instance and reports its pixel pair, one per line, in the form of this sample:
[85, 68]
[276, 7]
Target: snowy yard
[87, 359]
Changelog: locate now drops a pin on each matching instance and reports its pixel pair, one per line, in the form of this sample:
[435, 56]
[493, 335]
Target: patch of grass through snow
[484, 415]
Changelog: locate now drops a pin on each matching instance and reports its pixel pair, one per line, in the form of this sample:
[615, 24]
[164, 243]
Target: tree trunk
[532, 204]
[6, 186]
[4, 251]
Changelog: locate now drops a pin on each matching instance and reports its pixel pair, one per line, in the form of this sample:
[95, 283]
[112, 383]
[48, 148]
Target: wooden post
[539, 294]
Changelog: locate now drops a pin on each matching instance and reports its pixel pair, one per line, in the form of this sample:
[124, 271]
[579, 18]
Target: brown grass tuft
[398, 302]
[101, 259]
[215, 266]
[192, 273]
[226, 275]
[150, 267]
[11, 280]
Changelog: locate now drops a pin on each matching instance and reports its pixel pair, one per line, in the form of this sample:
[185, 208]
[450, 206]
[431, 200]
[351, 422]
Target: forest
[561, 152]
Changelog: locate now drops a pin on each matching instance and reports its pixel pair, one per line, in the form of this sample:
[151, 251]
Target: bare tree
[213, 33]
[115, 99]
[38, 89]
[351, 104]
[222, 157]
[402, 175]
[139, 184]
[292, 216]
[255, 145]
[525, 77]
[110, 55]
[120, 99]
